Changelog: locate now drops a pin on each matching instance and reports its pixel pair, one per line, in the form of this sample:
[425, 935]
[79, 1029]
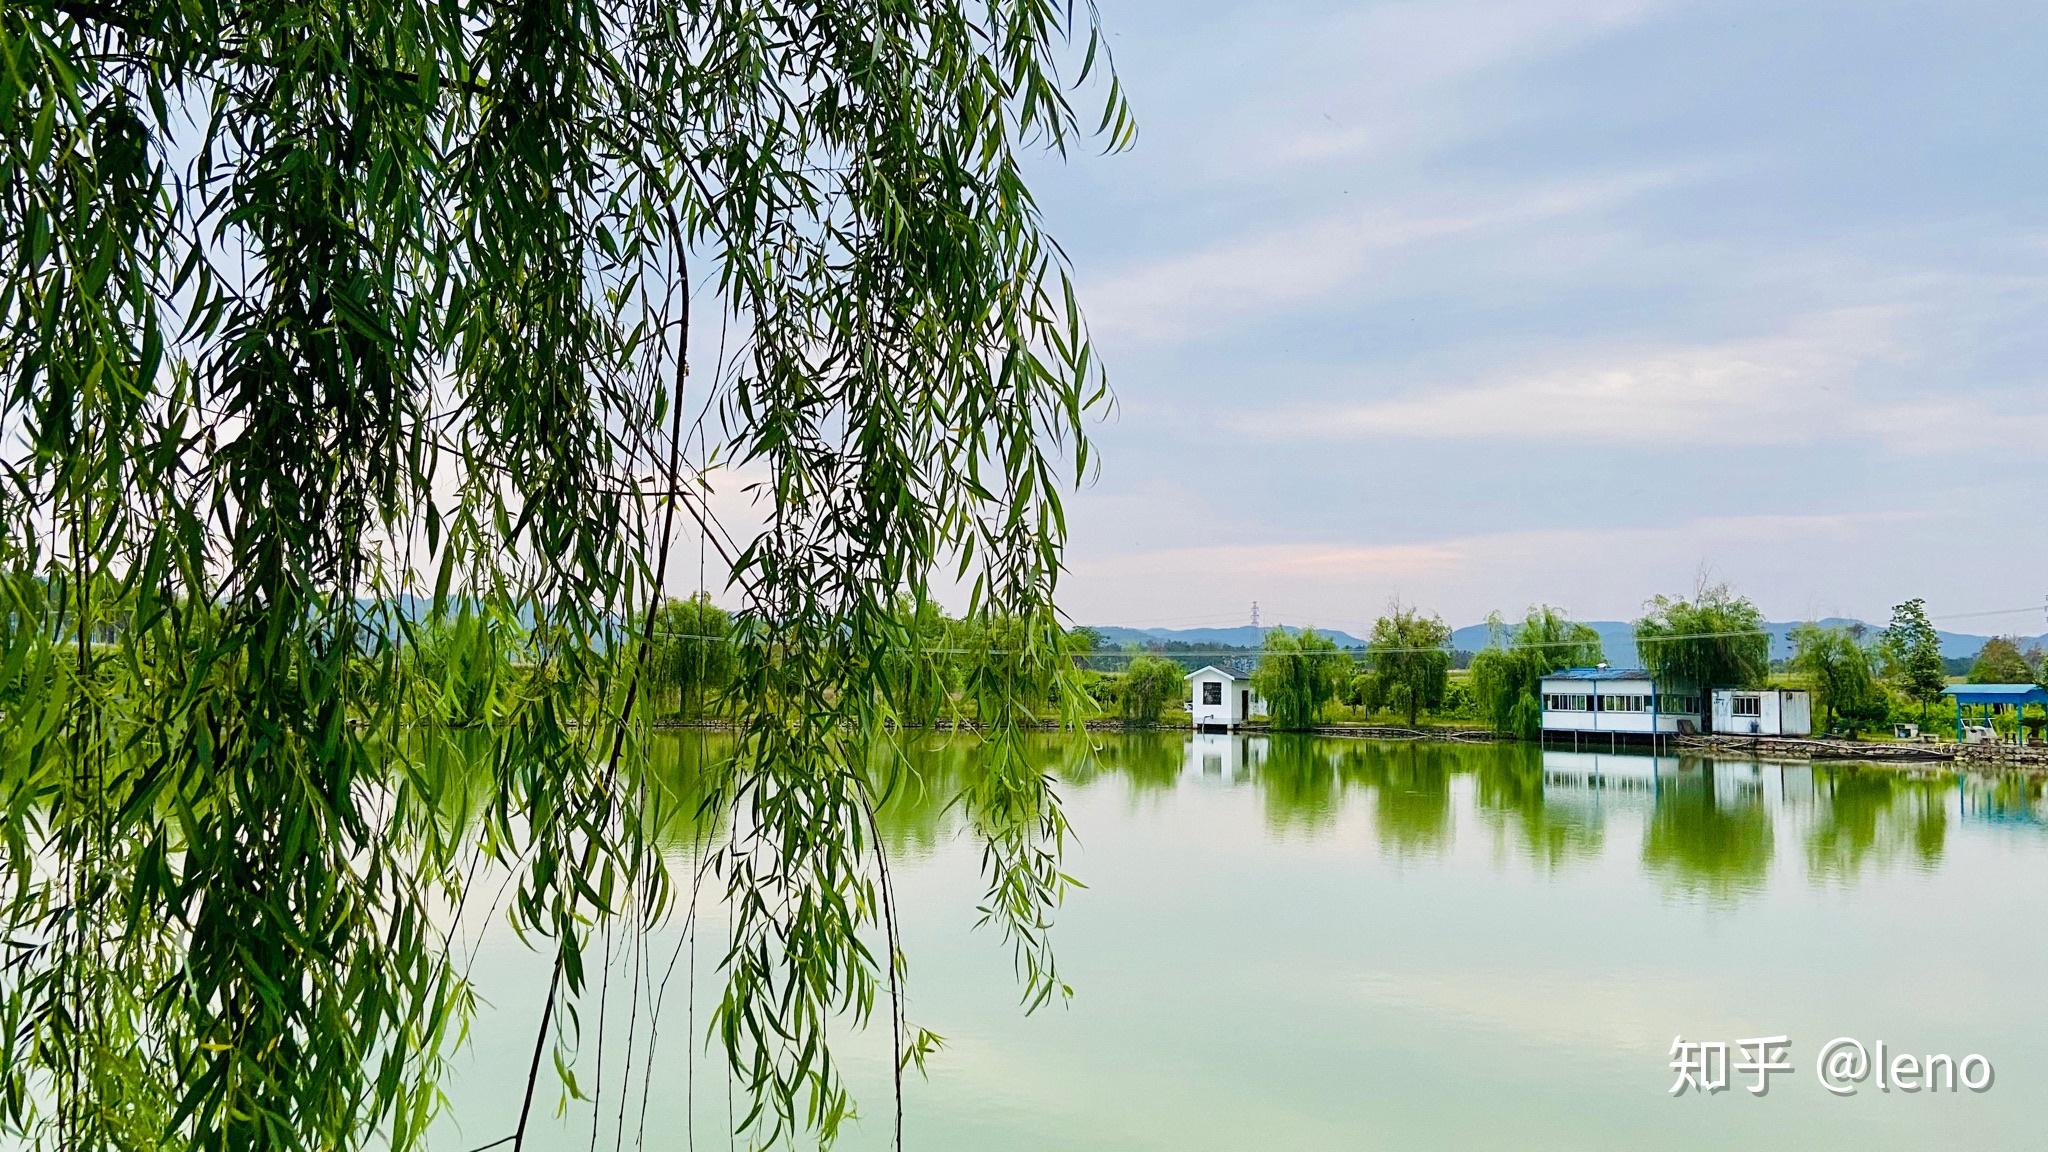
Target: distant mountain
[1617, 638]
[1243, 636]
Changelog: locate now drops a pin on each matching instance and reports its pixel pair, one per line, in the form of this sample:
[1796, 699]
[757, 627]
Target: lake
[1339, 944]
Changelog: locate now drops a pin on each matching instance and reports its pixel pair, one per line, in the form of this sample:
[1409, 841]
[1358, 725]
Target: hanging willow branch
[343, 362]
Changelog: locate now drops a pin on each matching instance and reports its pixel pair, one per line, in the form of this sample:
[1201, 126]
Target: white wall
[1209, 714]
[1626, 723]
[1795, 715]
[1232, 711]
[1783, 713]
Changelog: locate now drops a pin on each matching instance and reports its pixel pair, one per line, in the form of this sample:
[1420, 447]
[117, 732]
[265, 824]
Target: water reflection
[1706, 837]
[2006, 800]
[1412, 795]
[1605, 872]
[1873, 819]
[1702, 828]
[1305, 783]
[1551, 825]
[1149, 761]
[1224, 758]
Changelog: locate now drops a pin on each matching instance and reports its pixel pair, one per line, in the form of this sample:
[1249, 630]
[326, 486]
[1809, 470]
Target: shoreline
[1975, 757]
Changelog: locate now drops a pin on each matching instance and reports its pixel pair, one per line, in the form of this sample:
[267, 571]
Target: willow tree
[1714, 640]
[1410, 657]
[1507, 675]
[690, 655]
[314, 314]
[1298, 673]
[1837, 665]
[1145, 687]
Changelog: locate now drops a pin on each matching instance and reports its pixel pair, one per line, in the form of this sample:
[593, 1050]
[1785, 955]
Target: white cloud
[1779, 388]
[1197, 292]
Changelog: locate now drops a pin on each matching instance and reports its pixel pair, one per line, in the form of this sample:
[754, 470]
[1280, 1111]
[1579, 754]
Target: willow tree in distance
[1507, 674]
[1148, 683]
[1837, 665]
[310, 313]
[689, 655]
[1410, 657]
[1298, 673]
[1714, 640]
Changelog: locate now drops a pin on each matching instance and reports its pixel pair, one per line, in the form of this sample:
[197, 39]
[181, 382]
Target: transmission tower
[1255, 613]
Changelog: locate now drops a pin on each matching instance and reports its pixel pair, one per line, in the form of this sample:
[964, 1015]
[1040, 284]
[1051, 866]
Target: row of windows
[1570, 702]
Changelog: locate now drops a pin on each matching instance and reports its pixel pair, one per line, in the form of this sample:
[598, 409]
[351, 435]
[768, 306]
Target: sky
[1482, 304]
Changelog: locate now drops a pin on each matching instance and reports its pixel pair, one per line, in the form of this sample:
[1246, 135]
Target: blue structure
[1995, 697]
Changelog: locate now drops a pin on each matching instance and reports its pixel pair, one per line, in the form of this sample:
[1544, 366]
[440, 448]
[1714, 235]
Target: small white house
[1617, 701]
[1764, 712]
[1222, 698]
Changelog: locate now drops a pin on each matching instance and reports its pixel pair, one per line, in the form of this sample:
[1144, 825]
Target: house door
[1244, 705]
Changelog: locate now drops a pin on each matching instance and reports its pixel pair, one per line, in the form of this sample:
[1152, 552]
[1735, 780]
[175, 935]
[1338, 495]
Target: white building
[1766, 712]
[1222, 697]
[1617, 701]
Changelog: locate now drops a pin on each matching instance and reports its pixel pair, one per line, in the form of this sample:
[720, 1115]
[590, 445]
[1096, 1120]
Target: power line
[1110, 653]
[1097, 653]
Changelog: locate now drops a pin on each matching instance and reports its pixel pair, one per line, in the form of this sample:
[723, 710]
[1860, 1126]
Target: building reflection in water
[1224, 757]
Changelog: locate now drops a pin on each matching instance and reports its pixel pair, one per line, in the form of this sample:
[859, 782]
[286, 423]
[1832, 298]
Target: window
[1212, 691]
[1748, 705]
[1624, 704]
[1563, 702]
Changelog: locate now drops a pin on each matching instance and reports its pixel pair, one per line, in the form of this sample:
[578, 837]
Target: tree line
[1861, 678]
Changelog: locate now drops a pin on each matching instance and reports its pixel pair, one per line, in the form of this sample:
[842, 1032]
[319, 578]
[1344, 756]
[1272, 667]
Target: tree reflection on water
[1710, 829]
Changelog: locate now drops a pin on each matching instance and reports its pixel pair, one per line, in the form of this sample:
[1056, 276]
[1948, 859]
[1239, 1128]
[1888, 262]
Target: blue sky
[1480, 304]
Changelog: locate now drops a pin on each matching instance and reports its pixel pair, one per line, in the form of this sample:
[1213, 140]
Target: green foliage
[311, 314]
[1507, 675]
[1837, 667]
[922, 665]
[1911, 652]
[1148, 684]
[1714, 640]
[2000, 662]
[1297, 674]
[1458, 699]
[1366, 691]
[690, 655]
[1410, 658]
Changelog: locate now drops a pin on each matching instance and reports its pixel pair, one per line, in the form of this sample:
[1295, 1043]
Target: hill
[1243, 636]
[1617, 638]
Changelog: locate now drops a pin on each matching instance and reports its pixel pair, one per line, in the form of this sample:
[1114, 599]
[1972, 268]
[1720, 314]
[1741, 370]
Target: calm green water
[1324, 944]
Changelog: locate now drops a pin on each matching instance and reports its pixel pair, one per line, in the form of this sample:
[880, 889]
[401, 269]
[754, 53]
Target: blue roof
[1997, 693]
[1598, 674]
